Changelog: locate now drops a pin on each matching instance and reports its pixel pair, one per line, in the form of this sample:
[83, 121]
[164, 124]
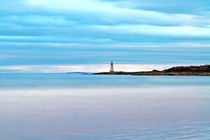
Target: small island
[203, 70]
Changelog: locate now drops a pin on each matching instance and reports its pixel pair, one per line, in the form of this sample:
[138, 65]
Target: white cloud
[82, 68]
[194, 44]
[15, 37]
[109, 12]
[72, 5]
[37, 20]
[189, 44]
[43, 44]
[153, 30]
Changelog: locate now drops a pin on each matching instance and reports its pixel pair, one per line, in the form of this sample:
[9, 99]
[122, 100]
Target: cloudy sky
[83, 35]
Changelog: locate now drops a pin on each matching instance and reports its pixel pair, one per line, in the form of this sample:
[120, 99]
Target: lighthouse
[111, 67]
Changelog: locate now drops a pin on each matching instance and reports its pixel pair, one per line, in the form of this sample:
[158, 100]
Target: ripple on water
[180, 130]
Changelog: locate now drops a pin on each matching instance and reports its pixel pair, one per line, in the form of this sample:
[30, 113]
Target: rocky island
[203, 70]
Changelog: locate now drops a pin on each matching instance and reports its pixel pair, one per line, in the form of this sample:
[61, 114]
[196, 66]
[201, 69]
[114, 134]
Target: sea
[65, 106]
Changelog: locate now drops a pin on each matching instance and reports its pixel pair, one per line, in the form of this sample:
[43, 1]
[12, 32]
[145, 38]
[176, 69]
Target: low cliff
[203, 70]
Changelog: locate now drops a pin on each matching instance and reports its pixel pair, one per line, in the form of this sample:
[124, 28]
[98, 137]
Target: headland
[203, 70]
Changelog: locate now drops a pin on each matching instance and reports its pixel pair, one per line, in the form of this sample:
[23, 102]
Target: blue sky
[65, 33]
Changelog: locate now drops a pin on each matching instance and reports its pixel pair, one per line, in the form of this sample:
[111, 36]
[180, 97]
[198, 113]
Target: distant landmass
[203, 70]
[81, 73]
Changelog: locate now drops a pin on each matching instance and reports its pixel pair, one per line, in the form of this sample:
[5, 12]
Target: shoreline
[154, 74]
[203, 70]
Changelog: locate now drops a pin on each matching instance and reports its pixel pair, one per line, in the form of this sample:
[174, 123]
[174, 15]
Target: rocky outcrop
[203, 70]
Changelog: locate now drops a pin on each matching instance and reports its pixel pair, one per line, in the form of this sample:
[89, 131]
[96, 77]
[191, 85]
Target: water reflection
[125, 108]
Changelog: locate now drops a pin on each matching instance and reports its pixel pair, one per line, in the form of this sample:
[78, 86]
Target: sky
[85, 35]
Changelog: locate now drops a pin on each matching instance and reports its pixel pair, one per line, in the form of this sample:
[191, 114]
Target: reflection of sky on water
[132, 108]
[76, 80]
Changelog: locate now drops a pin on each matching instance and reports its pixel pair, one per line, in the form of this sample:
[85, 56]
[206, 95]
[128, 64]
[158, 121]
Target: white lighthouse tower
[111, 67]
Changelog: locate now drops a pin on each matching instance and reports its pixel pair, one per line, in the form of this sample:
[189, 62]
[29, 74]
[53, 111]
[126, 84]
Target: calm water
[89, 107]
